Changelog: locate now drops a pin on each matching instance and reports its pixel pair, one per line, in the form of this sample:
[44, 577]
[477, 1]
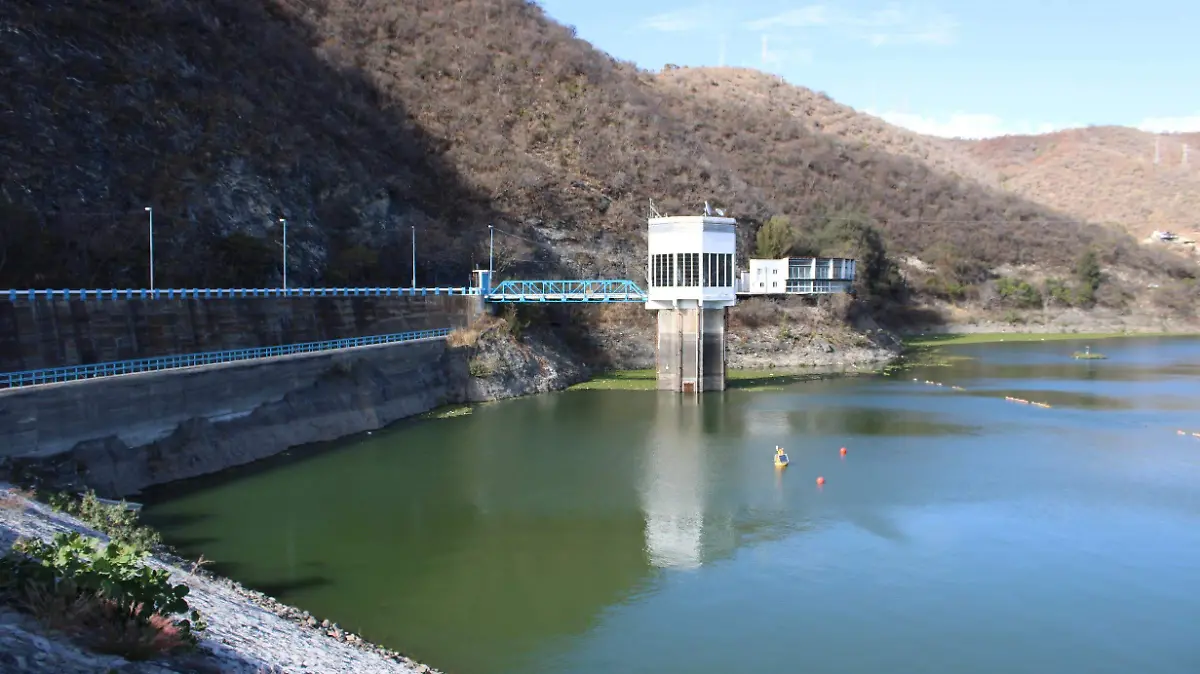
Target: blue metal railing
[507, 291]
[567, 291]
[94, 370]
[226, 293]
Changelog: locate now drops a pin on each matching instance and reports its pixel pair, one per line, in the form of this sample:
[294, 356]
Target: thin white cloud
[1185, 124]
[813, 15]
[678, 21]
[967, 125]
[782, 51]
[893, 24]
[932, 29]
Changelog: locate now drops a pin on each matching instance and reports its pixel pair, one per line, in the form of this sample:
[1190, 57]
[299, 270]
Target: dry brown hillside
[358, 120]
[1099, 174]
[818, 112]
[1104, 174]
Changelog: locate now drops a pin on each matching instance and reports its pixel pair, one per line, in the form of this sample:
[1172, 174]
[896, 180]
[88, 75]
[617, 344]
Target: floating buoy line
[1033, 403]
[1008, 398]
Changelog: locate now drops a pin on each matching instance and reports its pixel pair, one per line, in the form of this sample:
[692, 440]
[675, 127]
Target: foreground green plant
[104, 595]
[118, 522]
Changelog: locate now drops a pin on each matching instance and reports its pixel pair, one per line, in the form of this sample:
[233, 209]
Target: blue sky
[972, 68]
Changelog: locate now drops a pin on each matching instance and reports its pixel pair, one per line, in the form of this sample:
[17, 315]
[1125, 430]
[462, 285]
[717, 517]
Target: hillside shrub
[1058, 292]
[118, 522]
[104, 595]
[1018, 293]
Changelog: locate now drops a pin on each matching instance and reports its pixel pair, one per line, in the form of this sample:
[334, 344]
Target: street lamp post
[491, 247]
[283, 221]
[150, 210]
[414, 255]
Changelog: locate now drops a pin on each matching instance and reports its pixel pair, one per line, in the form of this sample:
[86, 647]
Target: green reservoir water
[592, 532]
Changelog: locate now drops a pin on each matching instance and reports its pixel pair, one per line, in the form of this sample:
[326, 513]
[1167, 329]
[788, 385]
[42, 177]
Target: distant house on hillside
[797, 276]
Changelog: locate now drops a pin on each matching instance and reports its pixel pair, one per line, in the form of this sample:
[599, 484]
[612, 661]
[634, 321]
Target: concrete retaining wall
[43, 334]
[122, 434]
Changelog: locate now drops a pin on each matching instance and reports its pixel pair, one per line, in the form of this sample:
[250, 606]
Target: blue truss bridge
[602, 291]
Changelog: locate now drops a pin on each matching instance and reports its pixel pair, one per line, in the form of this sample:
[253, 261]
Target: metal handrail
[224, 293]
[110, 369]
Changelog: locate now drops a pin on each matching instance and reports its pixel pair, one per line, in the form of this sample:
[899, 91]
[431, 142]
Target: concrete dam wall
[121, 434]
[54, 333]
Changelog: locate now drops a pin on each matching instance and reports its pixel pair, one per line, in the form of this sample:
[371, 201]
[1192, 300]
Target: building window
[689, 269]
[663, 271]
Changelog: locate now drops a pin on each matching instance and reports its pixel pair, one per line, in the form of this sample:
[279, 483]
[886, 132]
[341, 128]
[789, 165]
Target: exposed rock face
[504, 367]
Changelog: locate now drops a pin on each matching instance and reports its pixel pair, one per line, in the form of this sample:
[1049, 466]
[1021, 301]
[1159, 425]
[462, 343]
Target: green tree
[1088, 276]
[776, 237]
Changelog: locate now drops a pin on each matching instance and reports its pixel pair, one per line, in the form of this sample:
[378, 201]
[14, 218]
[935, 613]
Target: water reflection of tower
[702, 494]
[673, 492]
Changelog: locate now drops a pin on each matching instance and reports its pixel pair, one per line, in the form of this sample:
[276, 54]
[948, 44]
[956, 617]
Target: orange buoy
[820, 480]
[843, 452]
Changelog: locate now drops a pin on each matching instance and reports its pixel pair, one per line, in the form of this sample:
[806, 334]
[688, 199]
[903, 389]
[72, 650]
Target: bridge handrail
[113, 368]
[13, 294]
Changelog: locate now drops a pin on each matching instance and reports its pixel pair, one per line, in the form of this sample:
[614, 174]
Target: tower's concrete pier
[691, 280]
[691, 349]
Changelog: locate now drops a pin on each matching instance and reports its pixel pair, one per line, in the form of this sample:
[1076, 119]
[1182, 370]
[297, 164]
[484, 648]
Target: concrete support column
[691, 350]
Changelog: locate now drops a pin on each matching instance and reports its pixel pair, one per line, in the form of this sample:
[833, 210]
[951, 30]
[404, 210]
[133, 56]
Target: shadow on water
[173, 520]
[188, 546]
[873, 421]
[875, 522]
[285, 588]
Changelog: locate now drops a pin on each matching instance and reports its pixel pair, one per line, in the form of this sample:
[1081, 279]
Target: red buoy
[820, 480]
[843, 451]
